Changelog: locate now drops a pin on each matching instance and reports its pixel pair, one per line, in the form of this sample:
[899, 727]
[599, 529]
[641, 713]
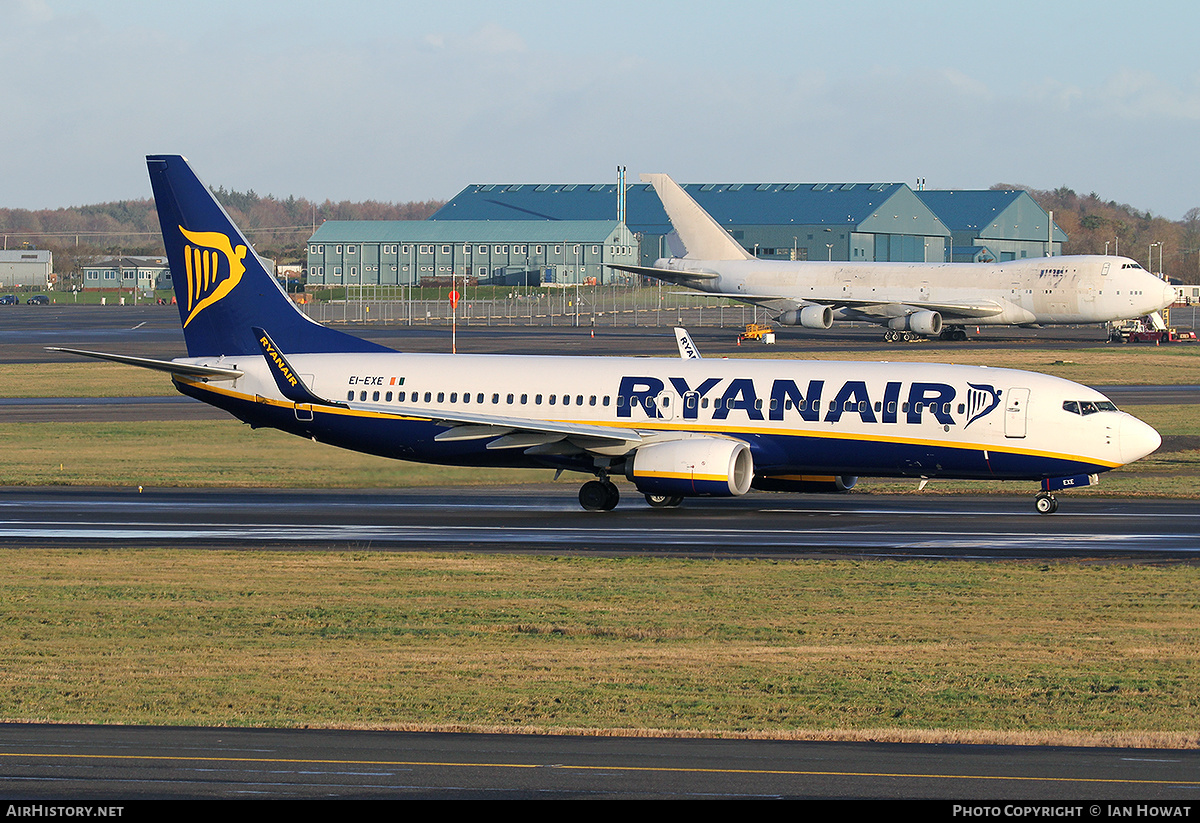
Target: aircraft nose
[1137, 439]
[1169, 295]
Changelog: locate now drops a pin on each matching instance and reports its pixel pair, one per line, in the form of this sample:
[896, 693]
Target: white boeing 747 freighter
[909, 299]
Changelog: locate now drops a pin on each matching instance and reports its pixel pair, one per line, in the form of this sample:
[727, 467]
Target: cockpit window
[1086, 407]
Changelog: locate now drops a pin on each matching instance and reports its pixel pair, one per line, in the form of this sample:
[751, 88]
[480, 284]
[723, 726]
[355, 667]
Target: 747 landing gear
[1045, 503]
[954, 333]
[599, 495]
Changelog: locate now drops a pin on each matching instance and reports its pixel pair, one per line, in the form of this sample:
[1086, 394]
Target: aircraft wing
[876, 308]
[983, 308]
[515, 432]
[869, 308]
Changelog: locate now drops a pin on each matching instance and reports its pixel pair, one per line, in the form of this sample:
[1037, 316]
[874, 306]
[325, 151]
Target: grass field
[1021, 653]
[999, 652]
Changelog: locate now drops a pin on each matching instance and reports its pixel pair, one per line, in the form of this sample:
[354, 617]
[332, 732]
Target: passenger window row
[478, 398]
[649, 403]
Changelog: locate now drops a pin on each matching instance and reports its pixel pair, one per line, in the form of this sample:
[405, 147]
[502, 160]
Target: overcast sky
[413, 101]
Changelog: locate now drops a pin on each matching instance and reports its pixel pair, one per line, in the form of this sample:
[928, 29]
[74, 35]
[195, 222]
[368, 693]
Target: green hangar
[511, 252]
[566, 233]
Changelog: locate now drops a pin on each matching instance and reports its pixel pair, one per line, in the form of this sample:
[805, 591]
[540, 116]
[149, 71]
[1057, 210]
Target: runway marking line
[697, 770]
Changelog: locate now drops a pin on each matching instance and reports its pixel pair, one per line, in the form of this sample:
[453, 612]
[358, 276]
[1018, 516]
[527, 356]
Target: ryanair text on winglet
[274, 356]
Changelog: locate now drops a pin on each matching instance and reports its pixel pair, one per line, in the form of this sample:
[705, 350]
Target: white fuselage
[882, 419]
[1047, 290]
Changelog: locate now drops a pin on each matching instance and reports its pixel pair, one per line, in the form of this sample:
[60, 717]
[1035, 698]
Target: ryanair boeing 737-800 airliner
[674, 428]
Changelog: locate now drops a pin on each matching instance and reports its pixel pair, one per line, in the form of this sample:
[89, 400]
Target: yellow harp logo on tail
[208, 281]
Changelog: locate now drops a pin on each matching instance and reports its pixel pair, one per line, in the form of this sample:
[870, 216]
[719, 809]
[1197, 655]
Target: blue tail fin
[222, 288]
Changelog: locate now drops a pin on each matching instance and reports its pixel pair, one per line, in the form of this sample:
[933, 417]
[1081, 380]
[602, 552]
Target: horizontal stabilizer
[169, 366]
[669, 275]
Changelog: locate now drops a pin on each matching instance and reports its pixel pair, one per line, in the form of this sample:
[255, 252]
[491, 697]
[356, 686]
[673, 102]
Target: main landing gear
[602, 496]
[953, 333]
[891, 336]
[1045, 503]
[599, 495]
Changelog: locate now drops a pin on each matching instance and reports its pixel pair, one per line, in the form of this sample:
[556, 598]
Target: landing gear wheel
[614, 496]
[598, 496]
[1045, 503]
[890, 336]
[662, 501]
[959, 334]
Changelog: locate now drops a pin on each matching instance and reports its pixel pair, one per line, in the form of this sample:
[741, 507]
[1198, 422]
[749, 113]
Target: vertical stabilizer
[702, 236]
[222, 287]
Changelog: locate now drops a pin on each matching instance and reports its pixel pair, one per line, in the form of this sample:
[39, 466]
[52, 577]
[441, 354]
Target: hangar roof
[728, 203]
[526, 230]
[990, 213]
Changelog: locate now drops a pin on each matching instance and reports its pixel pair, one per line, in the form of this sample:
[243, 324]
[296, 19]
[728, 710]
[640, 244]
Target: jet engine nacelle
[695, 466]
[922, 322]
[810, 317]
[807, 484]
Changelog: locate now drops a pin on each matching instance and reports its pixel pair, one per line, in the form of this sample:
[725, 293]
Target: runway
[154, 331]
[547, 519]
[39, 763]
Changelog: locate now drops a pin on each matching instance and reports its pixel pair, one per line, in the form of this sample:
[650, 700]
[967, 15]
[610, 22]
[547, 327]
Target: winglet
[702, 236]
[687, 349]
[286, 378]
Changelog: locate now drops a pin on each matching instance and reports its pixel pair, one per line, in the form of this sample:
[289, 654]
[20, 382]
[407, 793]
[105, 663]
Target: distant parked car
[9, 300]
[38, 300]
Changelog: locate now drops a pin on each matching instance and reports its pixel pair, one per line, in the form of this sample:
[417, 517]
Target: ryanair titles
[814, 401]
[276, 360]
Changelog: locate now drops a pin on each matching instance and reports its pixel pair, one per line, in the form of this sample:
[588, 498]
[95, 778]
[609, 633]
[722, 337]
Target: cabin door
[1015, 409]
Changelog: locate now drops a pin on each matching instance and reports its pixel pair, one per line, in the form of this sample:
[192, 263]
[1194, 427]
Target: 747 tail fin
[702, 236]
